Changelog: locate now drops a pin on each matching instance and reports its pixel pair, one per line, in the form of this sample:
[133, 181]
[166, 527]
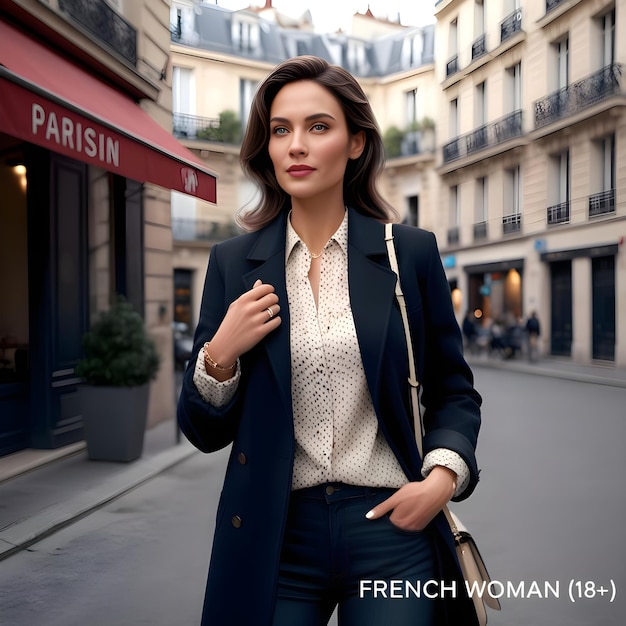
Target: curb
[28, 531]
[603, 377]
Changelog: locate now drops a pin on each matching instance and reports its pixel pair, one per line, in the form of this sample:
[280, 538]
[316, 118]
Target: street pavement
[544, 513]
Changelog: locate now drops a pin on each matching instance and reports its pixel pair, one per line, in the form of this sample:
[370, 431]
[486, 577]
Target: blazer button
[241, 457]
[236, 521]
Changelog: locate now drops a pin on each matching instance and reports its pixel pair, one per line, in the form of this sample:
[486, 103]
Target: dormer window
[356, 57]
[412, 50]
[246, 35]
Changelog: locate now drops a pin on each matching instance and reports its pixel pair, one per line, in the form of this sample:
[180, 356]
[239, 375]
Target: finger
[380, 509]
[257, 282]
[271, 312]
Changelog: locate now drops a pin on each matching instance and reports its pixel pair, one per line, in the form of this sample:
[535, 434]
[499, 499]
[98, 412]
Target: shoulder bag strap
[413, 382]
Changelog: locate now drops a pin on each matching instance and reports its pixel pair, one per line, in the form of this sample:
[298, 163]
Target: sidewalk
[554, 367]
[37, 500]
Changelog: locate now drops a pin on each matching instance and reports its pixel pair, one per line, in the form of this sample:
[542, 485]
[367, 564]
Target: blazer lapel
[372, 285]
[268, 256]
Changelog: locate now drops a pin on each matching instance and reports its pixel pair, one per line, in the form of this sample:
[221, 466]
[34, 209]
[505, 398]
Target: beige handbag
[473, 567]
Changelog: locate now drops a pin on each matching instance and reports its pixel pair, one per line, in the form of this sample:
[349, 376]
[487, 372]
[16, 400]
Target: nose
[297, 146]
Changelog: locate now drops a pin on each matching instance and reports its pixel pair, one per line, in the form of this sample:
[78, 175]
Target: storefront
[74, 156]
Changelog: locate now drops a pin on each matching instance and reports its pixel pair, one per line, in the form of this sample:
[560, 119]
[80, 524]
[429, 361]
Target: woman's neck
[315, 225]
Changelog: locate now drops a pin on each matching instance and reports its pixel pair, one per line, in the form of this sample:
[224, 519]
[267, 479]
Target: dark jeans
[332, 555]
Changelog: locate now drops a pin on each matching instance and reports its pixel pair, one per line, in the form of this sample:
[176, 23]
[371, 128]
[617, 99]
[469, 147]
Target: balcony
[511, 25]
[578, 96]
[492, 134]
[553, 4]
[479, 47]
[602, 203]
[225, 129]
[453, 236]
[511, 223]
[189, 229]
[97, 17]
[452, 66]
[559, 213]
[480, 231]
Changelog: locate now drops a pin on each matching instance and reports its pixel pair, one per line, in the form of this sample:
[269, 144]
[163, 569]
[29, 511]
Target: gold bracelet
[213, 364]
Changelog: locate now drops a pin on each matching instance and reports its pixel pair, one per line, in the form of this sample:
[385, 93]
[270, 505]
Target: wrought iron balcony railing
[106, 24]
[578, 96]
[559, 213]
[205, 128]
[602, 203]
[489, 135]
[194, 126]
[189, 229]
[511, 25]
[480, 230]
[452, 66]
[552, 4]
[479, 47]
[453, 235]
[511, 223]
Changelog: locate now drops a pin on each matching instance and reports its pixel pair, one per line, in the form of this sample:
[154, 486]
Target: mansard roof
[219, 29]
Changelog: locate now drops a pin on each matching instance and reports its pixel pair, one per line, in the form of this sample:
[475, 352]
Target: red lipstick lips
[300, 170]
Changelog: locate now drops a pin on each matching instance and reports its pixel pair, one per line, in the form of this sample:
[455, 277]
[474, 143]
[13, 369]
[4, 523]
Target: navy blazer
[259, 422]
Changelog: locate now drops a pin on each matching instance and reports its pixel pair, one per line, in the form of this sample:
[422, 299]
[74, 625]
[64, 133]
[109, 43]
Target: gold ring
[270, 312]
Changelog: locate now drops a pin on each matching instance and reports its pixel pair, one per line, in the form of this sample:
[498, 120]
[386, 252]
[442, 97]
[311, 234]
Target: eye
[319, 127]
[279, 130]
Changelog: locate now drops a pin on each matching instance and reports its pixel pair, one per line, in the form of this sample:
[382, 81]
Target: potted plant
[120, 360]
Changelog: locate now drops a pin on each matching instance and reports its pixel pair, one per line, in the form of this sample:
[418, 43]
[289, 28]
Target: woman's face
[309, 143]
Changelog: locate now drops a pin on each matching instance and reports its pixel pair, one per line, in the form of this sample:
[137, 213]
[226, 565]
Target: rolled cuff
[451, 460]
[211, 390]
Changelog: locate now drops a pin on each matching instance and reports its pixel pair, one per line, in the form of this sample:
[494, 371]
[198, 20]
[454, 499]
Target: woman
[302, 365]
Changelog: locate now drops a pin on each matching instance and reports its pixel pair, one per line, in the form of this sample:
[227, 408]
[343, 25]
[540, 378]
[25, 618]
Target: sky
[330, 15]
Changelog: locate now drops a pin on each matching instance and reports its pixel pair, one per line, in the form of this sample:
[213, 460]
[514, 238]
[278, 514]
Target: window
[183, 91]
[452, 67]
[245, 35]
[412, 50]
[480, 111]
[412, 217]
[513, 88]
[357, 61]
[559, 211]
[454, 118]
[246, 93]
[608, 38]
[453, 39]
[479, 18]
[512, 214]
[413, 113]
[480, 208]
[603, 157]
[562, 63]
[454, 216]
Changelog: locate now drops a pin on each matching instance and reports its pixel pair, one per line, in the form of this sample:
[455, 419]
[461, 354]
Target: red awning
[47, 100]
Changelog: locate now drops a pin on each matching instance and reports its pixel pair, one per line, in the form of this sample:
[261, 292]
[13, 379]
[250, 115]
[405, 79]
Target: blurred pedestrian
[533, 329]
[300, 362]
[469, 332]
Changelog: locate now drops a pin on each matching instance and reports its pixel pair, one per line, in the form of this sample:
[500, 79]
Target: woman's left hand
[415, 504]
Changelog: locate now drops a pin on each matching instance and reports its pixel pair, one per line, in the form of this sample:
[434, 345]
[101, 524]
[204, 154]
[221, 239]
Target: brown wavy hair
[359, 184]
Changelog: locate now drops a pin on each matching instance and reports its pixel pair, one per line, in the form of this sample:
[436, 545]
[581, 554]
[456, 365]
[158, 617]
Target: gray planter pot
[114, 420]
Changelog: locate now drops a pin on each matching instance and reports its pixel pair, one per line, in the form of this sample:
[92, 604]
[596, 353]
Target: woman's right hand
[246, 322]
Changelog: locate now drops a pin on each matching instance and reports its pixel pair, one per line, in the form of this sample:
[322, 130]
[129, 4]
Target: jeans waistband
[334, 491]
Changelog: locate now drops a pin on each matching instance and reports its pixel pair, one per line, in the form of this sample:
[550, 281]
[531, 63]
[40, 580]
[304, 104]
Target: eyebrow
[308, 118]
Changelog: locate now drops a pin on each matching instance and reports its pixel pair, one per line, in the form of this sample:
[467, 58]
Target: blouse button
[236, 521]
[241, 457]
